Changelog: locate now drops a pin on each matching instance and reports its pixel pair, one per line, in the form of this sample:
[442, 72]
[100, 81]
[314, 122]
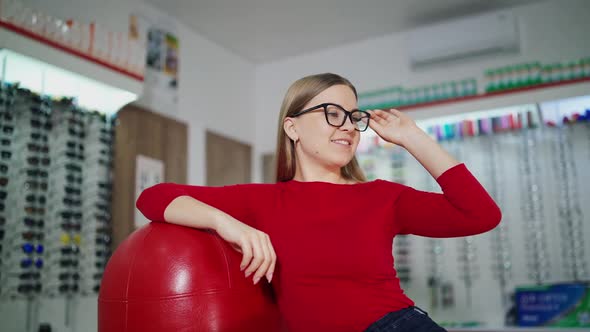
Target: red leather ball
[165, 277]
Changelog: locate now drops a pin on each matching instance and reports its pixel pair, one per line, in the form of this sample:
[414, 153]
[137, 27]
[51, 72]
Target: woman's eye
[333, 114]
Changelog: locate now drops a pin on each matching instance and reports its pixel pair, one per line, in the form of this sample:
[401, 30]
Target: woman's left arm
[464, 208]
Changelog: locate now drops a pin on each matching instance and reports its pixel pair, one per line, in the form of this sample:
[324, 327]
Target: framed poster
[159, 33]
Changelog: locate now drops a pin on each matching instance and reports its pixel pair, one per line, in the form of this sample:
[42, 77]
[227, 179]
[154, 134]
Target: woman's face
[319, 142]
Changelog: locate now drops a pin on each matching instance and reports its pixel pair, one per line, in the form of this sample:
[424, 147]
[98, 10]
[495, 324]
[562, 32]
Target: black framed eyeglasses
[336, 116]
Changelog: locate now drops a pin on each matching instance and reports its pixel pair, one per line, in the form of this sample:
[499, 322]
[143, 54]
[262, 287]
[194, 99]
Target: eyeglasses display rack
[532, 194]
[533, 163]
[55, 196]
[500, 245]
[568, 206]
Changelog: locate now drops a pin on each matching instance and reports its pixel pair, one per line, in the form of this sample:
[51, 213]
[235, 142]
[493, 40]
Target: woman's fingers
[266, 258]
[273, 260]
[397, 113]
[375, 125]
[379, 120]
[246, 249]
[383, 114]
[393, 115]
[379, 116]
[257, 257]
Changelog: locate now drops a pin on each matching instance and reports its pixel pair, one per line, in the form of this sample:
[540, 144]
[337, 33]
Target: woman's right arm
[216, 208]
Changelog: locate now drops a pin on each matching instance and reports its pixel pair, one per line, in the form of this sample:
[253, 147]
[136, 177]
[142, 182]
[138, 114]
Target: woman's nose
[348, 125]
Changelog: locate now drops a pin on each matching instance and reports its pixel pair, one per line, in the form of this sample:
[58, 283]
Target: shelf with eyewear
[526, 95]
[24, 42]
[55, 195]
[531, 157]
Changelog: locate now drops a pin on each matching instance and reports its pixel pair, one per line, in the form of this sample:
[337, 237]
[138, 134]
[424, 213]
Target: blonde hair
[297, 96]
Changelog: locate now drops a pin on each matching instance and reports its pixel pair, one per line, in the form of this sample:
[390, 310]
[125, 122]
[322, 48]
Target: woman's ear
[289, 127]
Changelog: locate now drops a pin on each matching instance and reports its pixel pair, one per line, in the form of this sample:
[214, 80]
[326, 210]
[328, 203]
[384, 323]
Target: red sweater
[334, 242]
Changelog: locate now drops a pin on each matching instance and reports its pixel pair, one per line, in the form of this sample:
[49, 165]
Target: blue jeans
[409, 319]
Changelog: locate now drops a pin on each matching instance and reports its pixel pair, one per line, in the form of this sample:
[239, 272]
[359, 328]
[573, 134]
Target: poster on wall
[158, 32]
[148, 172]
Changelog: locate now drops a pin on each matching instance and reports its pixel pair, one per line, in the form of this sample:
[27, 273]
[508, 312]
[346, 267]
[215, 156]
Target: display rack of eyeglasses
[402, 258]
[55, 189]
[435, 253]
[62, 277]
[536, 174]
[568, 205]
[531, 193]
[24, 156]
[402, 243]
[398, 160]
[96, 200]
[467, 254]
[500, 245]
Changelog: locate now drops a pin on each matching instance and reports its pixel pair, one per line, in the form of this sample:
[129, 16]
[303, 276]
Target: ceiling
[263, 31]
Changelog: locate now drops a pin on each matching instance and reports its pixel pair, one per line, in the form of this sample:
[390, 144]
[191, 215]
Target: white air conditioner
[475, 35]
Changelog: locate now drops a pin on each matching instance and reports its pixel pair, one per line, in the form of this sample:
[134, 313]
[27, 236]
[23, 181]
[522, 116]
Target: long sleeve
[464, 208]
[233, 200]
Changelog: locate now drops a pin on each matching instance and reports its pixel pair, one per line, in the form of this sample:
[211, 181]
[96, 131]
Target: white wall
[550, 31]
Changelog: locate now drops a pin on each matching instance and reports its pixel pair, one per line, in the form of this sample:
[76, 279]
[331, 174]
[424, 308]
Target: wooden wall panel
[139, 131]
[175, 151]
[228, 161]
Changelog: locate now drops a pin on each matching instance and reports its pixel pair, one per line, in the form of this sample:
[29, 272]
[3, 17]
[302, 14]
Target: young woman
[322, 234]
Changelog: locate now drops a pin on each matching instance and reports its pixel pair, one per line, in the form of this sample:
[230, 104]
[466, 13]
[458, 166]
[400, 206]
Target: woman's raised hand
[257, 250]
[392, 125]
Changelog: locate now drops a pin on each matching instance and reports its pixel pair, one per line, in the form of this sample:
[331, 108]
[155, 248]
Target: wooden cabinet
[141, 132]
[228, 161]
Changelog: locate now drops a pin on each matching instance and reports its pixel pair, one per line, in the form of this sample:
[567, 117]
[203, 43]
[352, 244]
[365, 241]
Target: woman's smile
[342, 142]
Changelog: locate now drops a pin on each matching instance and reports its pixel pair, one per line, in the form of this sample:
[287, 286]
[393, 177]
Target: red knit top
[334, 242]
